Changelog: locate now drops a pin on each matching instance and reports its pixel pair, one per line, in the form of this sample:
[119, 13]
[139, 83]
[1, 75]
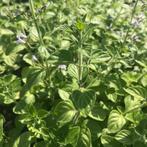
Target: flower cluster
[137, 20]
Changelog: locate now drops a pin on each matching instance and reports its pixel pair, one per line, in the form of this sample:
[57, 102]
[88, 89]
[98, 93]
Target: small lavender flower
[62, 67]
[16, 13]
[20, 41]
[34, 58]
[21, 35]
[138, 19]
[135, 22]
[141, 16]
[40, 10]
[47, 5]
[21, 38]
[135, 38]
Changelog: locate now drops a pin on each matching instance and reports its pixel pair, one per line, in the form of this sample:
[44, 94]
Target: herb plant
[73, 73]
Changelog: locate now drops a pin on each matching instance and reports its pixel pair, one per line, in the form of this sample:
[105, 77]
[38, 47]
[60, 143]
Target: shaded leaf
[124, 136]
[65, 112]
[83, 100]
[23, 140]
[98, 113]
[2, 120]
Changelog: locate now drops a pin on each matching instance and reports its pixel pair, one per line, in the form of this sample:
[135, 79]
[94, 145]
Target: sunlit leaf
[115, 121]
[73, 71]
[63, 94]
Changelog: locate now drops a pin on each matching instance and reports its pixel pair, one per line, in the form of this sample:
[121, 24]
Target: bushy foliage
[73, 73]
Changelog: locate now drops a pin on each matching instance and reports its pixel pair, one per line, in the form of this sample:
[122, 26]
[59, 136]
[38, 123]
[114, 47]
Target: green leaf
[34, 77]
[29, 99]
[84, 100]
[42, 144]
[24, 140]
[18, 48]
[92, 67]
[2, 120]
[65, 112]
[10, 59]
[73, 71]
[43, 52]
[109, 141]
[94, 128]
[5, 32]
[100, 58]
[84, 138]
[131, 102]
[130, 77]
[78, 137]
[135, 116]
[2, 69]
[140, 144]
[124, 137]
[144, 80]
[28, 58]
[98, 113]
[63, 94]
[27, 114]
[10, 85]
[115, 121]
[112, 97]
[14, 133]
[42, 113]
[141, 63]
[33, 34]
[137, 92]
[40, 131]
[73, 135]
[25, 118]
[5, 1]
[94, 83]
[21, 106]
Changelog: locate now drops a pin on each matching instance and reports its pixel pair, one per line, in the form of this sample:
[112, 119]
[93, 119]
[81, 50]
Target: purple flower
[21, 38]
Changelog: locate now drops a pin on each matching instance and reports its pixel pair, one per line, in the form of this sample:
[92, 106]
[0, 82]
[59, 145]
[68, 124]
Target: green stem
[132, 16]
[35, 21]
[80, 65]
[80, 58]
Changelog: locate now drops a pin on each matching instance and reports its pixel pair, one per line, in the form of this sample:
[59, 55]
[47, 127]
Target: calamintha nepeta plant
[73, 73]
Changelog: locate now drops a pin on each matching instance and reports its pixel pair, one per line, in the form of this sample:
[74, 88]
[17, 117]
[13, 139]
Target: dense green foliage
[73, 73]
